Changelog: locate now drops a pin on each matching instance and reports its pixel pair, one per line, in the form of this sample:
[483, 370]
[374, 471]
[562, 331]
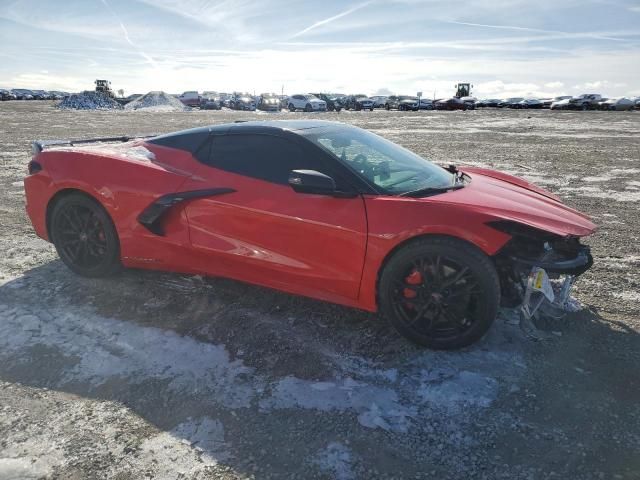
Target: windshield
[310, 97]
[392, 168]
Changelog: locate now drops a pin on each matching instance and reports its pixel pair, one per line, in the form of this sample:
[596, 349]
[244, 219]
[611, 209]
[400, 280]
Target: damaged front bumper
[537, 277]
[548, 286]
[574, 263]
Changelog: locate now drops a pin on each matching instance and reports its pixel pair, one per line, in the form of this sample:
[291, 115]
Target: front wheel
[440, 292]
[85, 237]
[308, 108]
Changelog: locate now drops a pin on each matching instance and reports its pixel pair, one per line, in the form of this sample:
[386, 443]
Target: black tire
[387, 107]
[308, 108]
[462, 293]
[292, 108]
[84, 236]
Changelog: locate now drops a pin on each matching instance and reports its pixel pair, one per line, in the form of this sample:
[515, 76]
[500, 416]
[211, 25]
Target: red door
[266, 233]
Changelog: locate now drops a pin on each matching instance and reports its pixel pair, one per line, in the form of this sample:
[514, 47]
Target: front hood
[506, 197]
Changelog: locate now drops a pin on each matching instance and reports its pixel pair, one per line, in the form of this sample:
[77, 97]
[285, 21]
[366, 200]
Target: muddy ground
[153, 375]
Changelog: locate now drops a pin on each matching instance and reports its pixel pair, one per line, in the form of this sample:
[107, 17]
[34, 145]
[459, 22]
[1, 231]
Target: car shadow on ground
[239, 375]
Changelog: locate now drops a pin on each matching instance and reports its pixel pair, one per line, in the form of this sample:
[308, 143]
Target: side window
[264, 157]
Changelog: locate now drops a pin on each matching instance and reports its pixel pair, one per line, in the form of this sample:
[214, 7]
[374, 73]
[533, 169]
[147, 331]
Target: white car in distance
[378, 100]
[306, 102]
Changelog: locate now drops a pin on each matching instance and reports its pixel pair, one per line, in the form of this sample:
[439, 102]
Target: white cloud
[554, 85]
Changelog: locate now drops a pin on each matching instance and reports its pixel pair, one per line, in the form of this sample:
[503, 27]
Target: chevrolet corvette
[314, 208]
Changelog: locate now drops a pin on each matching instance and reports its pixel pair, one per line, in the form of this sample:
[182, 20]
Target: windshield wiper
[423, 192]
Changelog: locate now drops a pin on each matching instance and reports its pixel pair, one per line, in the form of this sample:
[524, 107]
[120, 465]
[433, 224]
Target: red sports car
[321, 209]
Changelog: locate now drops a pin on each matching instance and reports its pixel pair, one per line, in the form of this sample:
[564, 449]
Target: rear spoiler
[39, 145]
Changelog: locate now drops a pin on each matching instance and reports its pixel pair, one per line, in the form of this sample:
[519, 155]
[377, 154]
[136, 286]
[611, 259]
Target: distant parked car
[622, 103]
[306, 102]
[359, 102]
[546, 102]
[268, 102]
[22, 94]
[452, 103]
[6, 95]
[560, 104]
[40, 95]
[190, 99]
[379, 101]
[333, 101]
[242, 101]
[488, 102]
[509, 102]
[529, 103]
[56, 95]
[425, 104]
[211, 102]
[402, 103]
[586, 101]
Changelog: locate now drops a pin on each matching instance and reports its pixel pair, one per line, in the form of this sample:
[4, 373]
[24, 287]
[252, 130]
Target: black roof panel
[193, 138]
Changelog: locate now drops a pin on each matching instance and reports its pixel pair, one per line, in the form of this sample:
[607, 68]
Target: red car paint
[265, 233]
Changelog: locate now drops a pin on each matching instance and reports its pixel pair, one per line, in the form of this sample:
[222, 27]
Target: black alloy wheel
[84, 236]
[440, 292]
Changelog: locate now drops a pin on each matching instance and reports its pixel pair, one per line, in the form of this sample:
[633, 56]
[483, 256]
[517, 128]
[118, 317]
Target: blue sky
[504, 47]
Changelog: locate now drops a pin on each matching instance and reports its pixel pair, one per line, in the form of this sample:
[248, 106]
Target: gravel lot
[153, 375]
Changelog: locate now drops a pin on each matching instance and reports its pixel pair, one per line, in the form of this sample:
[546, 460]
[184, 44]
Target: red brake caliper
[414, 278]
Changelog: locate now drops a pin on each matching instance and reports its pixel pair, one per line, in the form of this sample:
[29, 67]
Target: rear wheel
[440, 292]
[84, 236]
[292, 108]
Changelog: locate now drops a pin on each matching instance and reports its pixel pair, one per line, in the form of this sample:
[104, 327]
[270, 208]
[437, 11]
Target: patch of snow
[173, 451]
[105, 349]
[445, 386]
[336, 460]
[601, 178]
[24, 468]
[377, 406]
[97, 351]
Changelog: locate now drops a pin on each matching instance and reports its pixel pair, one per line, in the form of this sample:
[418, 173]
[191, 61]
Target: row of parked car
[321, 102]
[25, 94]
[587, 101]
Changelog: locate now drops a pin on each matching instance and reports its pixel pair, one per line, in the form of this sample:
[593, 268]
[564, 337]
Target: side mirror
[311, 181]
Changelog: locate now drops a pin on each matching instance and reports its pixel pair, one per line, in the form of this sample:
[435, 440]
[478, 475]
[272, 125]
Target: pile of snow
[89, 101]
[158, 102]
